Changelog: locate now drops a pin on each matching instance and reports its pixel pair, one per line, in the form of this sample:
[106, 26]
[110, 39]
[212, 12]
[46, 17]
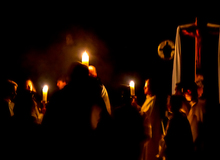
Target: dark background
[120, 38]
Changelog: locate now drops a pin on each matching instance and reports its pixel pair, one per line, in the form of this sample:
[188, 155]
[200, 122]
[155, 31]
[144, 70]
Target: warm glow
[29, 85]
[85, 58]
[92, 71]
[188, 97]
[132, 88]
[132, 84]
[45, 90]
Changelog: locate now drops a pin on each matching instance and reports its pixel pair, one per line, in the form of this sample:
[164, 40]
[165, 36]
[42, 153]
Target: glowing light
[85, 58]
[29, 85]
[45, 90]
[132, 91]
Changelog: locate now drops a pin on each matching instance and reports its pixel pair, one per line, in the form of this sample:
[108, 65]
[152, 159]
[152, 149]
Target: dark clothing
[128, 133]
[4, 112]
[26, 133]
[67, 122]
[5, 124]
[24, 103]
[179, 142]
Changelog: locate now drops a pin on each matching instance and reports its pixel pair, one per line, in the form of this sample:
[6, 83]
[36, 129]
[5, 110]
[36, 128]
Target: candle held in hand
[132, 91]
[45, 90]
[85, 58]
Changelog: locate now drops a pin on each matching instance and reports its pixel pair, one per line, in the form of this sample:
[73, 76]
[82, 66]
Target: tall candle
[45, 90]
[132, 91]
[85, 58]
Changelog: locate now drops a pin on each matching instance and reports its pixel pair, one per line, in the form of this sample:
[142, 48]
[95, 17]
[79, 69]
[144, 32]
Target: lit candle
[85, 59]
[45, 90]
[132, 88]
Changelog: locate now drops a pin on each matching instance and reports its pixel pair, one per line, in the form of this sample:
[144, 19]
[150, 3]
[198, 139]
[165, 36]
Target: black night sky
[121, 39]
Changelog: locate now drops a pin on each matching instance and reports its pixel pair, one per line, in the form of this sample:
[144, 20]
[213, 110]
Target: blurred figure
[61, 82]
[27, 120]
[168, 113]
[37, 109]
[152, 121]
[29, 86]
[178, 135]
[71, 127]
[27, 107]
[40, 106]
[196, 117]
[104, 93]
[200, 86]
[179, 91]
[8, 93]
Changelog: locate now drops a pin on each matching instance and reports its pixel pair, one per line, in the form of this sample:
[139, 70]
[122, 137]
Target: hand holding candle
[45, 90]
[132, 91]
[85, 58]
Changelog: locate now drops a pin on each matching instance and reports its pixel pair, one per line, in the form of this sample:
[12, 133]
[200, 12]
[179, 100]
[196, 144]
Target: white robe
[152, 127]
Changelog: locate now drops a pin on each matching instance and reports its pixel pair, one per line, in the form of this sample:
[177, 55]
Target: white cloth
[36, 114]
[11, 107]
[152, 127]
[177, 57]
[148, 105]
[105, 97]
[195, 117]
[146, 111]
[176, 75]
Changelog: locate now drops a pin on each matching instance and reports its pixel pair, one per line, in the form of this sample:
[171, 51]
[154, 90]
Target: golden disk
[166, 47]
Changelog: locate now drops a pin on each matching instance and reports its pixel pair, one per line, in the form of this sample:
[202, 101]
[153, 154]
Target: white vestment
[152, 127]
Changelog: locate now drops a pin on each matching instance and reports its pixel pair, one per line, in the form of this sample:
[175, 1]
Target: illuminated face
[188, 95]
[15, 92]
[29, 85]
[92, 71]
[60, 84]
[146, 88]
[15, 89]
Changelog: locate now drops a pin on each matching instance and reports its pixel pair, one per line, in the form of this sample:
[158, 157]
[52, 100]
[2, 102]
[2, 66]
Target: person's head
[175, 103]
[77, 72]
[178, 89]
[29, 86]
[199, 82]
[9, 90]
[200, 87]
[149, 88]
[61, 82]
[92, 71]
[190, 91]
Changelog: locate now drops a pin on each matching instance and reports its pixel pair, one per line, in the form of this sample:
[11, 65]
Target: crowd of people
[79, 121]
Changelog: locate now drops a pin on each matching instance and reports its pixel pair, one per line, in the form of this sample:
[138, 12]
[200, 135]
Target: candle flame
[132, 88]
[45, 88]
[131, 83]
[85, 57]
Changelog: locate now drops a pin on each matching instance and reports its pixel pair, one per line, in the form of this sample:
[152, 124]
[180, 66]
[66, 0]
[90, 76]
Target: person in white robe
[152, 122]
